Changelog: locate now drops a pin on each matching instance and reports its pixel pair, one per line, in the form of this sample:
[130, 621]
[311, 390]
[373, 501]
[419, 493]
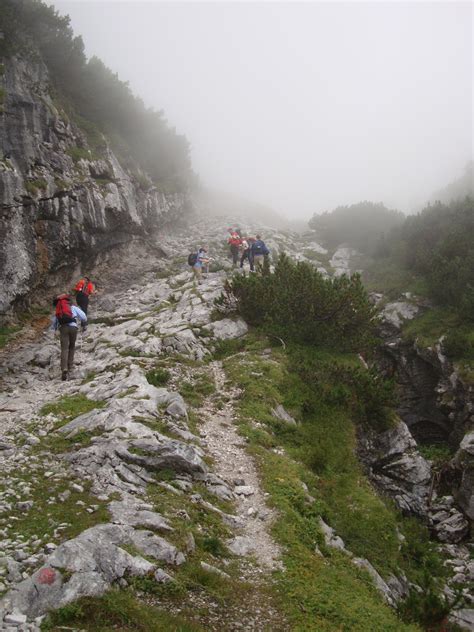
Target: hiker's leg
[72, 347]
[235, 255]
[197, 273]
[64, 338]
[82, 301]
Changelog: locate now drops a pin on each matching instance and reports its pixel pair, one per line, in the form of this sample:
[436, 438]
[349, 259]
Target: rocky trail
[78, 459]
[133, 473]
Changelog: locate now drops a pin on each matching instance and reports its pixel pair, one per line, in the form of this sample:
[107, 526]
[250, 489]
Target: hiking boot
[64, 376]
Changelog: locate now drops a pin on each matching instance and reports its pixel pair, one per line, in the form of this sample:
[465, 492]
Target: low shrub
[298, 304]
[158, 377]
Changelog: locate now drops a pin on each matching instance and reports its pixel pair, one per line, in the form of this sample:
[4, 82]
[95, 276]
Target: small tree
[297, 303]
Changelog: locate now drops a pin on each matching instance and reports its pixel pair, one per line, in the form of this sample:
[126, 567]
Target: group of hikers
[65, 320]
[68, 315]
[251, 249]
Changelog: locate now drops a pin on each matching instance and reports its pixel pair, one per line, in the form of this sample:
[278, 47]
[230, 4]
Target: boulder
[464, 459]
[227, 329]
[280, 413]
[379, 583]
[398, 312]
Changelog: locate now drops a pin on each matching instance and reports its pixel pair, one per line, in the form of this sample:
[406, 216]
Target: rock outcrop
[435, 406]
[63, 204]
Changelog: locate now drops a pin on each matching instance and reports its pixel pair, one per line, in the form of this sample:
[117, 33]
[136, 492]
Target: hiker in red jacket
[84, 289]
[234, 242]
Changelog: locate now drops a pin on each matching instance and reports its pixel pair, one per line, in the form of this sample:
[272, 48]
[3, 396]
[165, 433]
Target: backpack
[63, 309]
[192, 259]
[259, 248]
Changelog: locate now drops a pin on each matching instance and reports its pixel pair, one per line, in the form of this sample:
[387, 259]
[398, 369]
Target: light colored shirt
[201, 258]
[76, 312]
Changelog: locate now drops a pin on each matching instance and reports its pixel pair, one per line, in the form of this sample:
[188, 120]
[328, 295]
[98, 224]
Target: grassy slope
[322, 593]
[316, 592]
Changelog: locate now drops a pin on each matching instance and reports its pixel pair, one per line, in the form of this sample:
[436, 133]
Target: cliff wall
[63, 204]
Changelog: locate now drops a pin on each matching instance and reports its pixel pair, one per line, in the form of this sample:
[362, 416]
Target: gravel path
[233, 464]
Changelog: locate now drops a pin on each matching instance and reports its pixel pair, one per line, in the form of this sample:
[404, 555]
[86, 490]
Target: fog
[301, 106]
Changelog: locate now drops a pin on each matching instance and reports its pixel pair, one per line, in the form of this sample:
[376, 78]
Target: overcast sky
[302, 106]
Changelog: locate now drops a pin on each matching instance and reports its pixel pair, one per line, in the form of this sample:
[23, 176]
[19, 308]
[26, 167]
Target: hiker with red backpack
[234, 242]
[83, 290]
[65, 319]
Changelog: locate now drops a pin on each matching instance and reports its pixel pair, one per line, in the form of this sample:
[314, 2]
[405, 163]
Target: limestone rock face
[94, 560]
[465, 460]
[397, 467]
[60, 212]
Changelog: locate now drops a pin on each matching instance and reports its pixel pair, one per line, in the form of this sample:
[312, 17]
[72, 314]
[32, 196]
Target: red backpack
[63, 309]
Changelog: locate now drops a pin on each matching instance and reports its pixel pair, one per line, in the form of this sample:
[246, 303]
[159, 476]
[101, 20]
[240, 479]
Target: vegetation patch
[158, 376]
[33, 186]
[7, 333]
[79, 153]
[438, 246]
[297, 303]
[195, 391]
[320, 452]
[68, 408]
[48, 511]
[116, 610]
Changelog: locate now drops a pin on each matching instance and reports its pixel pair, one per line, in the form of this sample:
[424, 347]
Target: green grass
[61, 184]
[458, 343]
[7, 333]
[79, 153]
[320, 452]
[438, 454]
[194, 392]
[43, 517]
[116, 610]
[68, 408]
[392, 280]
[90, 377]
[432, 324]
[33, 186]
[158, 376]
[58, 443]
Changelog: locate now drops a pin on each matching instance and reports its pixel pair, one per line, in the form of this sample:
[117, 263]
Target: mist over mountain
[301, 107]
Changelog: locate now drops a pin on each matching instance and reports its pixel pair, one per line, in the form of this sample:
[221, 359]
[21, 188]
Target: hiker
[200, 259]
[65, 319]
[259, 251]
[247, 252]
[84, 289]
[234, 242]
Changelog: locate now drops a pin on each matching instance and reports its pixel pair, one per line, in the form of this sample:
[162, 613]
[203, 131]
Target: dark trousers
[68, 335]
[234, 251]
[83, 301]
[247, 254]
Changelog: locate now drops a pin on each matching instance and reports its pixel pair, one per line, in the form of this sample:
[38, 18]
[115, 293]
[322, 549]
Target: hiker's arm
[78, 313]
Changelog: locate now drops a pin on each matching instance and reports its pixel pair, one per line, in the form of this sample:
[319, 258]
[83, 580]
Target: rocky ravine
[96, 476]
[61, 205]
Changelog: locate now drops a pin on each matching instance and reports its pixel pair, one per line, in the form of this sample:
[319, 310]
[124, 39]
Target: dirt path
[237, 468]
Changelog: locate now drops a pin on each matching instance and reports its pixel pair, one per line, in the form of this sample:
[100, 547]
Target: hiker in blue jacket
[201, 259]
[259, 251]
[65, 319]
